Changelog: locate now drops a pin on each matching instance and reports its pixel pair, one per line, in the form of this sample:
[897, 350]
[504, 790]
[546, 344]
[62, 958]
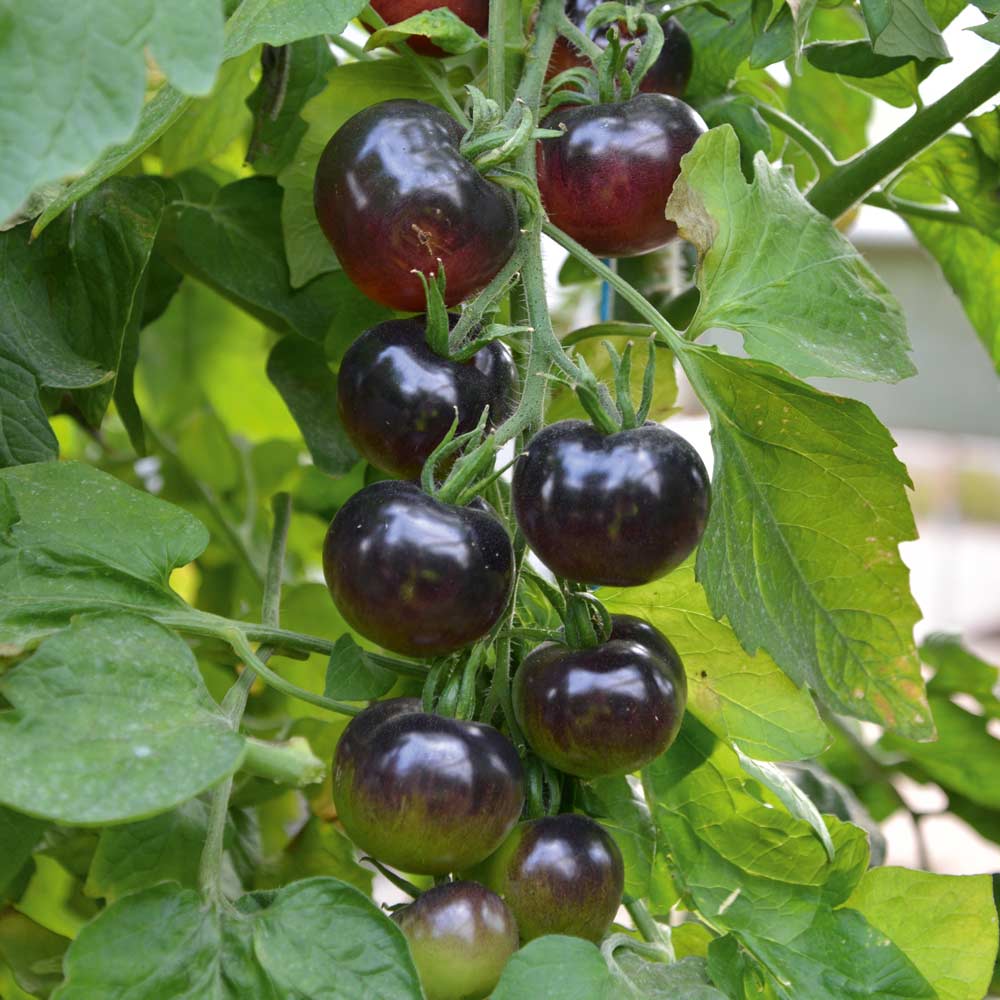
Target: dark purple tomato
[617, 509]
[668, 75]
[394, 195]
[425, 793]
[606, 710]
[559, 875]
[475, 13]
[461, 936]
[607, 179]
[415, 575]
[397, 398]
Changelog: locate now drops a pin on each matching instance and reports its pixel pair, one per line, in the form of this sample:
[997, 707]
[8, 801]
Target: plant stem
[901, 206]
[351, 48]
[649, 928]
[826, 163]
[581, 41]
[435, 79]
[292, 763]
[496, 52]
[851, 181]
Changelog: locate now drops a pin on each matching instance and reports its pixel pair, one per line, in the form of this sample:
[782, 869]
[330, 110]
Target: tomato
[415, 575]
[425, 793]
[475, 13]
[618, 509]
[397, 398]
[668, 75]
[559, 875]
[607, 179]
[394, 195]
[606, 710]
[460, 935]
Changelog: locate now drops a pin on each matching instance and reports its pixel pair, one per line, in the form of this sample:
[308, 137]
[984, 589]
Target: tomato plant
[370, 623]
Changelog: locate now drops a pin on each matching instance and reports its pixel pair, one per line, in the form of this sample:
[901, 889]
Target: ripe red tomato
[394, 195]
[607, 179]
[475, 13]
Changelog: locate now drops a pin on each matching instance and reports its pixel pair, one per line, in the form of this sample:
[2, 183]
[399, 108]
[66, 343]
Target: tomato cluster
[428, 573]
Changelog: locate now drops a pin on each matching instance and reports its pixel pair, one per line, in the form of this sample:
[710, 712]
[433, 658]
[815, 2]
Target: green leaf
[439, 25]
[278, 22]
[683, 980]
[353, 676]
[350, 89]
[231, 241]
[959, 671]
[719, 45]
[18, 836]
[208, 126]
[791, 796]
[315, 938]
[111, 722]
[903, 28]
[33, 953]
[751, 130]
[72, 79]
[946, 925]
[801, 550]
[164, 848]
[856, 58]
[300, 373]
[623, 812]
[900, 87]
[777, 271]
[557, 968]
[76, 539]
[840, 955]
[965, 758]
[25, 433]
[319, 848]
[292, 75]
[743, 699]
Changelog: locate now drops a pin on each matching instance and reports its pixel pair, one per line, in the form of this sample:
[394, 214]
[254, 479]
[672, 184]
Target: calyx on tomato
[416, 575]
[394, 195]
[422, 792]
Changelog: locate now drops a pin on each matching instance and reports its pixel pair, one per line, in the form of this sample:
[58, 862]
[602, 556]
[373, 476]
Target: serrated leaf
[777, 271]
[278, 22]
[315, 938]
[111, 722]
[350, 88]
[743, 699]
[793, 798]
[299, 371]
[352, 675]
[72, 79]
[439, 25]
[719, 45]
[801, 549]
[76, 539]
[903, 28]
[946, 925]
[557, 968]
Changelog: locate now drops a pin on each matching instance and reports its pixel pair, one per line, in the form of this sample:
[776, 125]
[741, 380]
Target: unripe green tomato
[460, 935]
[559, 875]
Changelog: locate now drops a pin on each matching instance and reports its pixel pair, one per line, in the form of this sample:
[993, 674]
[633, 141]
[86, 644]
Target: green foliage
[172, 671]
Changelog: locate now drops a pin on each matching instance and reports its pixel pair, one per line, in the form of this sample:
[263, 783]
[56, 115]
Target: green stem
[496, 54]
[826, 163]
[292, 763]
[474, 312]
[851, 181]
[915, 209]
[351, 48]
[281, 505]
[653, 932]
[434, 78]
[581, 41]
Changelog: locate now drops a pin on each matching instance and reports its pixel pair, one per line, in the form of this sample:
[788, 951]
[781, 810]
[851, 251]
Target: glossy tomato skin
[422, 792]
[559, 875]
[397, 398]
[602, 711]
[461, 936]
[607, 179]
[670, 73]
[415, 575]
[475, 13]
[619, 509]
[393, 195]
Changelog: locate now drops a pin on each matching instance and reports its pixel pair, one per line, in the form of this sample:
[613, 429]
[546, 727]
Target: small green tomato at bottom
[460, 935]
